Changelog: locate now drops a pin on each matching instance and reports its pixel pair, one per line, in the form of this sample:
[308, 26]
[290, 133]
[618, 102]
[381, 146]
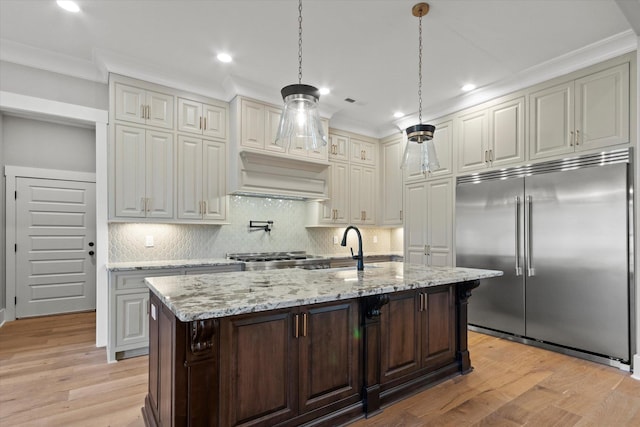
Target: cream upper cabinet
[336, 209]
[506, 132]
[363, 152]
[339, 147]
[272, 121]
[143, 173]
[297, 147]
[201, 179]
[491, 137]
[203, 119]
[137, 105]
[473, 136]
[391, 182]
[362, 184]
[428, 223]
[589, 112]
[252, 129]
[443, 142]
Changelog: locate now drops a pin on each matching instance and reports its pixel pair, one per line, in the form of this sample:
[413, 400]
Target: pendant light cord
[419, 69]
[299, 41]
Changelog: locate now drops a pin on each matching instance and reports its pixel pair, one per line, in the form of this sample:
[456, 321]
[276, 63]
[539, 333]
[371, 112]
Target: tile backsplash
[185, 241]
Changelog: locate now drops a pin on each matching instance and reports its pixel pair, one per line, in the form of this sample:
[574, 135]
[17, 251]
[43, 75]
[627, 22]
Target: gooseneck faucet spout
[360, 256]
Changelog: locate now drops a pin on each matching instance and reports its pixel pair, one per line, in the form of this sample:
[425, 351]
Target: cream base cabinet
[143, 173]
[391, 181]
[583, 114]
[201, 179]
[142, 106]
[428, 222]
[362, 185]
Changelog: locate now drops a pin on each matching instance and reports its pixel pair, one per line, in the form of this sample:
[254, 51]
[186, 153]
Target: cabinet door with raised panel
[438, 327]
[551, 121]
[159, 174]
[214, 121]
[443, 142]
[472, 141]
[132, 321]
[415, 222]
[368, 195]
[329, 354]
[339, 147]
[439, 228]
[129, 172]
[602, 108]
[339, 202]
[506, 132]
[189, 116]
[252, 128]
[272, 121]
[391, 182]
[363, 152]
[214, 170]
[160, 109]
[130, 103]
[189, 191]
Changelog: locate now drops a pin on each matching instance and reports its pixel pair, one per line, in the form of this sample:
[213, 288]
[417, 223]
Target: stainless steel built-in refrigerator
[560, 231]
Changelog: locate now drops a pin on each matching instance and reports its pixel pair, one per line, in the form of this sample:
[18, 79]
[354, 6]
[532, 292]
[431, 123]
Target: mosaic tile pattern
[184, 241]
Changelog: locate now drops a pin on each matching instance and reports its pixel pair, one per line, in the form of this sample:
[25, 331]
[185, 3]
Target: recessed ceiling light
[224, 57]
[69, 6]
[325, 91]
[468, 87]
[398, 114]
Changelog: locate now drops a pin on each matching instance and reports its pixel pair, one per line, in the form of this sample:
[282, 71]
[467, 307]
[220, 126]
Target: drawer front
[127, 281]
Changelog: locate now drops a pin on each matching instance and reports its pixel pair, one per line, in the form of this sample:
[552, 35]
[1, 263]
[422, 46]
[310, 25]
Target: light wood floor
[51, 374]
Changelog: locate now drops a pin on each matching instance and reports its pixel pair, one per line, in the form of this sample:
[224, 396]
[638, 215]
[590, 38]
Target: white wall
[3, 229]
[46, 145]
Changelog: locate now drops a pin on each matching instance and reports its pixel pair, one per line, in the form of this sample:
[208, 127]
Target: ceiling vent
[350, 100]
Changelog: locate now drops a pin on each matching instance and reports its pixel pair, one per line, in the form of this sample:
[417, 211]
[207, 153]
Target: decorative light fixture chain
[420, 71]
[299, 41]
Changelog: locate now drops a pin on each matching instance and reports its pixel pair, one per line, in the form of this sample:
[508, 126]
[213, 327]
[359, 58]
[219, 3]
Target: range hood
[258, 173]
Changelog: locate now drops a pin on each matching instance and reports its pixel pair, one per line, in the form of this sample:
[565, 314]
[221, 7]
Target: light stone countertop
[176, 263]
[226, 294]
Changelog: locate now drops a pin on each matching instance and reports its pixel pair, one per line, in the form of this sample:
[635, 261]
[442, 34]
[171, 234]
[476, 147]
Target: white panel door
[252, 128]
[339, 149]
[215, 121]
[159, 174]
[55, 235]
[368, 195]
[130, 103]
[189, 116]
[472, 141]
[506, 132]
[214, 171]
[443, 142]
[272, 121]
[160, 109]
[391, 183]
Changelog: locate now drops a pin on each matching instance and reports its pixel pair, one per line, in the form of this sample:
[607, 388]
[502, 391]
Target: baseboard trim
[636, 367]
[1, 317]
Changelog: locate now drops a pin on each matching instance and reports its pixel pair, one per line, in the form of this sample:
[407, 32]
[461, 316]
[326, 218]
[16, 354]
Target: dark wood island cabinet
[324, 363]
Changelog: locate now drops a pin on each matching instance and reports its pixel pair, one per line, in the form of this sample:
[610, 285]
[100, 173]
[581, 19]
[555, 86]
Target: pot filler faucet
[359, 257]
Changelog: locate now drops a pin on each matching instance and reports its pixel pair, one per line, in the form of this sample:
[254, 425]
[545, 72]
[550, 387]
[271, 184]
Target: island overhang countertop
[206, 296]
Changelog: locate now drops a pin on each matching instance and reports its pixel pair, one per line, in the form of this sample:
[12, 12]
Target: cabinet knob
[577, 137]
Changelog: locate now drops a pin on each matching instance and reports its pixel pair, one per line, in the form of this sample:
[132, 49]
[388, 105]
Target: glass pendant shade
[300, 120]
[421, 156]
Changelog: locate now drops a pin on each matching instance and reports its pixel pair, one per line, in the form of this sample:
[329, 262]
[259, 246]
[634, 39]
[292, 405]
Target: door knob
[91, 243]
[91, 253]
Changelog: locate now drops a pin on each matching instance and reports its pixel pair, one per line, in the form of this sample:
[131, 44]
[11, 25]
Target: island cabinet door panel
[438, 320]
[329, 353]
[399, 327]
[258, 369]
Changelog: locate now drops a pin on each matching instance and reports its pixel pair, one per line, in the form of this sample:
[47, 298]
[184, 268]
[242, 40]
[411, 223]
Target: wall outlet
[148, 241]
[335, 240]
[375, 239]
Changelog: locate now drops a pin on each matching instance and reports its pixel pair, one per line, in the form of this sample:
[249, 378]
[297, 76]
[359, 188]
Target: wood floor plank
[51, 374]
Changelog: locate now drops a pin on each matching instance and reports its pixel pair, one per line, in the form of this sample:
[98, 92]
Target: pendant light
[300, 120]
[423, 153]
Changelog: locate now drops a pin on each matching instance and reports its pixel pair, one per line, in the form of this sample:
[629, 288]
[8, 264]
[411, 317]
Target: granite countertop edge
[219, 295]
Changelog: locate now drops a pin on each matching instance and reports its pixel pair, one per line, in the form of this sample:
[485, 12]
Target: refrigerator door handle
[530, 270]
[518, 234]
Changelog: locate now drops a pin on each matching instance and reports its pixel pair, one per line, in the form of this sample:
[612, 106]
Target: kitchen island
[293, 347]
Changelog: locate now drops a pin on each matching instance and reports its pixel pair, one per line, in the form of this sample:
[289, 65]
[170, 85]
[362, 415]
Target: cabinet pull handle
[491, 155]
[422, 304]
[518, 268]
[577, 137]
[200, 125]
[486, 156]
[142, 111]
[143, 204]
[571, 139]
[400, 214]
[148, 204]
[204, 207]
[304, 324]
[148, 112]
[205, 124]
[296, 326]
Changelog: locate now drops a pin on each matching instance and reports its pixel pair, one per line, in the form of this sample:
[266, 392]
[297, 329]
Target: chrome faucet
[360, 256]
